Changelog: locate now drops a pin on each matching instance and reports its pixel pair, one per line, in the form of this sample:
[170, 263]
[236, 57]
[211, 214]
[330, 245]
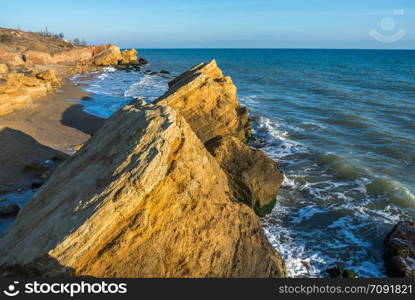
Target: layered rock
[153, 203]
[253, 176]
[399, 252]
[207, 99]
[110, 56]
[19, 89]
[129, 56]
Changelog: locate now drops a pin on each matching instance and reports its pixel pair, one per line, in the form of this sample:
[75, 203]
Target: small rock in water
[152, 73]
[9, 210]
[164, 72]
[340, 272]
[2, 199]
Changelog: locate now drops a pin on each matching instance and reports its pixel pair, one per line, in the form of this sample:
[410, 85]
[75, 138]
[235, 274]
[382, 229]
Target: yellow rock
[153, 203]
[128, 56]
[109, 57]
[3, 69]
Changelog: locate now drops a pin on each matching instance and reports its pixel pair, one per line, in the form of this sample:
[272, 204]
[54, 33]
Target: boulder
[128, 56]
[10, 57]
[399, 252]
[253, 176]
[208, 102]
[50, 76]
[110, 56]
[4, 68]
[153, 203]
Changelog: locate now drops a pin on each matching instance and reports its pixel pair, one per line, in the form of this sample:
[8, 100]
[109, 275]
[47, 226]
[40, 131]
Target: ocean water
[340, 124]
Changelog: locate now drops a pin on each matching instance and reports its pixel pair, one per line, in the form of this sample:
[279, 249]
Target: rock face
[18, 89]
[3, 69]
[129, 56]
[208, 102]
[110, 56]
[153, 203]
[399, 252]
[253, 176]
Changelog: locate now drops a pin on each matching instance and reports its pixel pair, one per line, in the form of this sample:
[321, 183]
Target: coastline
[40, 131]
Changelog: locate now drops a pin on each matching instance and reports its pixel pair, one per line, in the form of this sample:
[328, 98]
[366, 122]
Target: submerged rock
[340, 272]
[153, 203]
[399, 251]
[254, 177]
[164, 72]
[9, 210]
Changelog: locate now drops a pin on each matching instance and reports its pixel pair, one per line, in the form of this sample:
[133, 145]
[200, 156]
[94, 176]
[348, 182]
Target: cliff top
[19, 41]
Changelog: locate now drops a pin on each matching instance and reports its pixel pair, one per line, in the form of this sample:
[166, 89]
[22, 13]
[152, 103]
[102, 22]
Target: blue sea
[339, 123]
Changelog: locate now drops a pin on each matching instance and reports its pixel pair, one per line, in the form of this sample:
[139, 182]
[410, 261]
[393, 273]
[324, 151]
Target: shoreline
[43, 131]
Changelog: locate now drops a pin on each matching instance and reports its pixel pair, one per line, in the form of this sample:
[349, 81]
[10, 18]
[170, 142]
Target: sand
[44, 130]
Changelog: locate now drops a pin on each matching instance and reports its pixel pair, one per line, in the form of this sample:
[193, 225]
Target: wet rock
[340, 272]
[142, 198]
[164, 72]
[254, 177]
[152, 73]
[399, 250]
[3, 69]
[9, 210]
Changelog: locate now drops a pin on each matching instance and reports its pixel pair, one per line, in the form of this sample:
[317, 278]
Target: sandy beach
[44, 130]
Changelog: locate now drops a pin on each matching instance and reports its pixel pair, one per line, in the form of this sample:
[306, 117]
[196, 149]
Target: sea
[339, 123]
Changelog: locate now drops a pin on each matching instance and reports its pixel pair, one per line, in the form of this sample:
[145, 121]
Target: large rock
[142, 198]
[208, 102]
[129, 56]
[10, 57]
[254, 177]
[399, 252]
[108, 57]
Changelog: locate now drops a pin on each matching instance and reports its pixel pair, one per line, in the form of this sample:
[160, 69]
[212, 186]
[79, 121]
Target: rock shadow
[76, 118]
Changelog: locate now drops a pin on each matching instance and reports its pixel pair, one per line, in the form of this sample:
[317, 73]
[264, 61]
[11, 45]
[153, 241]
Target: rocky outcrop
[153, 203]
[399, 253]
[129, 56]
[253, 176]
[19, 89]
[208, 102]
[110, 56]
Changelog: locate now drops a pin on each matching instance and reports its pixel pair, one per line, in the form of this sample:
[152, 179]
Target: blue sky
[218, 23]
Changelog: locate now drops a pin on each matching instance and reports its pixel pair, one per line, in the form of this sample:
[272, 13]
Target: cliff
[25, 55]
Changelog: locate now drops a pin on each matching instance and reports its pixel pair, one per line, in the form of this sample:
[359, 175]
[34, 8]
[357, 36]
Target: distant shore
[37, 133]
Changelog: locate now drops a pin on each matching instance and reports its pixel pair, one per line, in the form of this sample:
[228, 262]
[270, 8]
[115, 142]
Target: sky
[373, 24]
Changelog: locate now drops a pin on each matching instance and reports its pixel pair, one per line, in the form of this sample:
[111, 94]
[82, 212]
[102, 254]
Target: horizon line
[266, 48]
